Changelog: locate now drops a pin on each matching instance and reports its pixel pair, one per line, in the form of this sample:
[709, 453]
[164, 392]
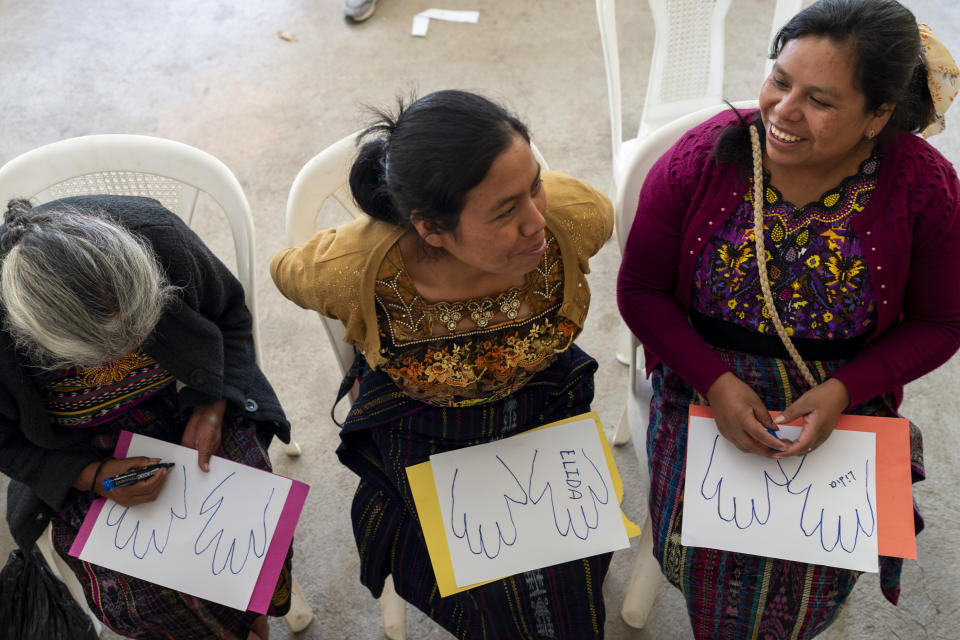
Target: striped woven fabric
[734, 595]
[387, 431]
[85, 397]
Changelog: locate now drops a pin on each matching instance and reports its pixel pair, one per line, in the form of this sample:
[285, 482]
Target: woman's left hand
[203, 431]
[820, 409]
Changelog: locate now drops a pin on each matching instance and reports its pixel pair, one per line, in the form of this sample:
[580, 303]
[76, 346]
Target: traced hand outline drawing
[228, 538]
[739, 503]
[501, 530]
[837, 525]
[569, 500]
[131, 529]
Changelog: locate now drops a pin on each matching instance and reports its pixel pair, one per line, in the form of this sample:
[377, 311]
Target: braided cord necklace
[762, 258]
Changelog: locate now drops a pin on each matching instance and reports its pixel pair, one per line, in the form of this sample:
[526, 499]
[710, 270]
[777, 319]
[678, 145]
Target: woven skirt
[387, 431]
[735, 595]
[139, 609]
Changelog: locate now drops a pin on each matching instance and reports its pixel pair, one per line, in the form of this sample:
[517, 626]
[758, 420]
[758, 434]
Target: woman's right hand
[741, 417]
[136, 493]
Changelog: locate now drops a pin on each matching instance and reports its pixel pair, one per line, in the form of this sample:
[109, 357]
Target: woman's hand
[203, 431]
[820, 409]
[741, 417]
[136, 493]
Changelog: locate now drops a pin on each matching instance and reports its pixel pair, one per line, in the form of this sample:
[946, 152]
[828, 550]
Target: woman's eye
[819, 103]
[536, 187]
[778, 82]
[506, 214]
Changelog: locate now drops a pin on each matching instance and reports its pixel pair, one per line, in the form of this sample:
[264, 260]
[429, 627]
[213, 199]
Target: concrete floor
[216, 75]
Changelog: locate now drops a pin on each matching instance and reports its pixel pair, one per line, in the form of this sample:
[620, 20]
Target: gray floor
[216, 75]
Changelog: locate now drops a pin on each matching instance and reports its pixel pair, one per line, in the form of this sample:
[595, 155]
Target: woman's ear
[426, 229]
[881, 116]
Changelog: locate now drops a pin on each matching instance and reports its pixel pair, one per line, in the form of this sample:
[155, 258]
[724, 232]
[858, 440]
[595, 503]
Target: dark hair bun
[17, 209]
[368, 182]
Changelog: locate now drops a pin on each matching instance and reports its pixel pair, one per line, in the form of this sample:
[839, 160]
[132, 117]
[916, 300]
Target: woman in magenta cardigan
[862, 276]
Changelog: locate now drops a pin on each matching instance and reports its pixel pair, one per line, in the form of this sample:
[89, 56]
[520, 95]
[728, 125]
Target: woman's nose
[533, 220]
[788, 107]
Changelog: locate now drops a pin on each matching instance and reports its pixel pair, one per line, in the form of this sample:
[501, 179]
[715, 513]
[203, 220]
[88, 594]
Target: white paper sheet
[206, 533]
[529, 501]
[819, 508]
[421, 21]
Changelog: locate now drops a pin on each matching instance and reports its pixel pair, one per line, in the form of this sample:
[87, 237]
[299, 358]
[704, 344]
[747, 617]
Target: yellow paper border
[431, 520]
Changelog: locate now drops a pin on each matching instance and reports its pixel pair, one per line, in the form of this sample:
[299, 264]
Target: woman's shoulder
[576, 209]
[334, 260]
[917, 166]
[353, 240]
[697, 143]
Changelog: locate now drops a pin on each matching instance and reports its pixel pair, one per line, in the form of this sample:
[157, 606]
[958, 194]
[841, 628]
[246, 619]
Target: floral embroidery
[815, 261]
[109, 372]
[480, 311]
[487, 347]
[449, 315]
[80, 397]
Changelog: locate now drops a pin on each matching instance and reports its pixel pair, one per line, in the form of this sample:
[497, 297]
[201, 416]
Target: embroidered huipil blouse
[467, 352]
[84, 397]
[818, 276]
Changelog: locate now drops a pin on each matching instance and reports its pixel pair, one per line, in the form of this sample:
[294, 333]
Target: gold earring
[870, 134]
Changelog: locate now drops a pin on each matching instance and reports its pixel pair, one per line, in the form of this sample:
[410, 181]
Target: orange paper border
[895, 531]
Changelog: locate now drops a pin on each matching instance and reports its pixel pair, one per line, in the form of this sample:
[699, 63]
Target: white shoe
[358, 10]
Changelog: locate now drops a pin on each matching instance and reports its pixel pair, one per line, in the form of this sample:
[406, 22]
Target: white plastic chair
[636, 162]
[326, 176]
[686, 74]
[172, 173]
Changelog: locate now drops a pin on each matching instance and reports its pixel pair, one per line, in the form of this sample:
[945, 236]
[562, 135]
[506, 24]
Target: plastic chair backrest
[326, 176]
[639, 155]
[686, 69]
[120, 164]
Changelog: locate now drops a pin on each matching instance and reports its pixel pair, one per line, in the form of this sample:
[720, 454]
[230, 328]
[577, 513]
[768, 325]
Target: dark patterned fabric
[818, 275]
[386, 431]
[138, 609]
[735, 595]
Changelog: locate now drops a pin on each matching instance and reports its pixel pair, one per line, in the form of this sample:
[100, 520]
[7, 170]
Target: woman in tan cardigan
[463, 289]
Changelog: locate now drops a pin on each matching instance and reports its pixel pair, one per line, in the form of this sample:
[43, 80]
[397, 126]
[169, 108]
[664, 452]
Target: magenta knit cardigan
[910, 232]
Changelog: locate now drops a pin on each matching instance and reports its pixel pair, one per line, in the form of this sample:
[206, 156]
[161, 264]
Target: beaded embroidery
[485, 349]
[815, 263]
[81, 397]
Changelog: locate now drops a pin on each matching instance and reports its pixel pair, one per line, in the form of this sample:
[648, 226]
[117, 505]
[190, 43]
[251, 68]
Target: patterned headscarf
[943, 78]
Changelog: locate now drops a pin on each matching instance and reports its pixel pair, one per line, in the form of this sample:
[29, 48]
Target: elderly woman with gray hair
[109, 304]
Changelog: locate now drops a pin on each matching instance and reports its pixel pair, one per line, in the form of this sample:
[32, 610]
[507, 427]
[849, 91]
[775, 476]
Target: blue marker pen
[134, 475]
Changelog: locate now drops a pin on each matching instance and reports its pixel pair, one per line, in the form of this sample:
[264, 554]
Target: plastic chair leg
[300, 614]
[622, 435]
[62, 571]
[394, 611]
[624, 343]
[644, 582]
[292, 449]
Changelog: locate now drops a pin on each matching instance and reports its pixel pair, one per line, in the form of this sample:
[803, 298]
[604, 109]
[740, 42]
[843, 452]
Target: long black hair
[427, 156]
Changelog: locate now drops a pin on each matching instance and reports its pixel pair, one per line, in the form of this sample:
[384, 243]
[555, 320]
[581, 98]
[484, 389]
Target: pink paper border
[277, 553]
[120, 451]
[87, 527]
[279, 544]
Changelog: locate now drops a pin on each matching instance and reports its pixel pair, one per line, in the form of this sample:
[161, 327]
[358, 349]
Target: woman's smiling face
[501, 227]
[815, 116]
